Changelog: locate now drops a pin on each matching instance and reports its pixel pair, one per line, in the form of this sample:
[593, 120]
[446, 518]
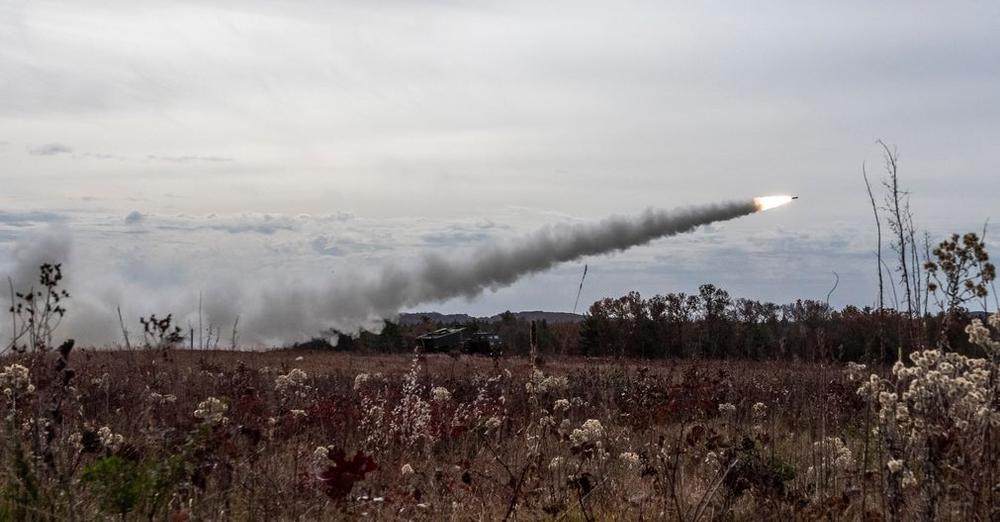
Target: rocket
[769, 202]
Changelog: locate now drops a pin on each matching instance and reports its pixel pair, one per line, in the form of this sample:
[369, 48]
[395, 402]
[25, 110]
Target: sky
[166, 150]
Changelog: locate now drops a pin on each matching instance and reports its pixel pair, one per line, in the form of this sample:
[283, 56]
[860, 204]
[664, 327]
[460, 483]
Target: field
[310, 435]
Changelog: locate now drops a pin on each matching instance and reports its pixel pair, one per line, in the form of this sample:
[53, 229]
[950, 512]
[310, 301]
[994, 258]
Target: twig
[201, 340]
[235, 336]
[121, 322]
[517, 492]
[835, 284]
[878, 231]
[582, 498]
[703, 503]
[13, 316]
[993, 287]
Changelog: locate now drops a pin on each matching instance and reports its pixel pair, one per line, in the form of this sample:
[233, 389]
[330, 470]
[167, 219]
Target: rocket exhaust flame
[768, 202]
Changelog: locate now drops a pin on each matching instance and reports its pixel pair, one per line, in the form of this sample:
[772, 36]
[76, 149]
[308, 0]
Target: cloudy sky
[163, 149]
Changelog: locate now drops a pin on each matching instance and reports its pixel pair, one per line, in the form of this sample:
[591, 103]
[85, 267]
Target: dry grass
[493, 449]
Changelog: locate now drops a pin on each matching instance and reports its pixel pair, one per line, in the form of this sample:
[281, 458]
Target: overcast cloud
[260, 140]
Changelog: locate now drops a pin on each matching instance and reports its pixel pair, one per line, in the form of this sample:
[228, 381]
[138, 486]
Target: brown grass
[691, 461]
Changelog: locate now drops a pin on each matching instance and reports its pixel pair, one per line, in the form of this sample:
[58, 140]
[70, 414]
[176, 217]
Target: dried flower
[540, 383]
[321, 453]
[360, 380]
[440, 394]
[591, 432]
[833, 453]
[16, 379]
[110, 439]
[630, 458]
[292, 383]
[212, 411]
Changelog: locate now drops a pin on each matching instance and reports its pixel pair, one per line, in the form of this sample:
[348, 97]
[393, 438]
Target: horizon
[169, 153]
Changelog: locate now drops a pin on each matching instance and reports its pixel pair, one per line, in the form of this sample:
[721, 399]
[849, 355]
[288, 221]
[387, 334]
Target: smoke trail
[362, 302]
[280, 307]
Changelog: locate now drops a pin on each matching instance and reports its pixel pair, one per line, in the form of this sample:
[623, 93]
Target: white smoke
[282, 308]
[354, 302]
[48, 246]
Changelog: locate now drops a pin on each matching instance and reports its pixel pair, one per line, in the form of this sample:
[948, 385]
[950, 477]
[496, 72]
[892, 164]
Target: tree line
[711, 324]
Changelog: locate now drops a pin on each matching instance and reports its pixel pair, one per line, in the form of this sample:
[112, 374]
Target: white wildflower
[835, 454]
[212, 411]
[540, 383]
[109, 439]
[630, 458]
[440, 394]
[294, 382]
[854, 371]
[320, 454]
[590, 432]
[16, 379]
[76, 441]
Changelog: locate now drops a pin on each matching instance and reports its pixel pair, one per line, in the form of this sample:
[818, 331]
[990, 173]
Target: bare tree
[919, 310]
[895, 205]
[914, 259]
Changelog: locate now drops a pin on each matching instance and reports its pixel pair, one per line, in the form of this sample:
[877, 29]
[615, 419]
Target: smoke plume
[358, 302]
[281, 308]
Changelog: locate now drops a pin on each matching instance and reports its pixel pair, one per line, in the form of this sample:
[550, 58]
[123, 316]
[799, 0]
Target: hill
[408, 319]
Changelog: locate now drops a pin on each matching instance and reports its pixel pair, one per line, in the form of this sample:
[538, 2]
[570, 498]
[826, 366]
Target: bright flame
[769, 202]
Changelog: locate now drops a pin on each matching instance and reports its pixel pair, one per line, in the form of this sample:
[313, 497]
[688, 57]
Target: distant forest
[709, 324]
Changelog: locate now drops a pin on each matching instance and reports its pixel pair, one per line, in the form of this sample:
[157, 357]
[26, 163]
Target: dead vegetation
[178, 435]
